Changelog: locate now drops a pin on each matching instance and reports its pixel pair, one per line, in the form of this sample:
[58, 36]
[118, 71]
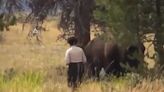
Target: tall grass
[26, 82]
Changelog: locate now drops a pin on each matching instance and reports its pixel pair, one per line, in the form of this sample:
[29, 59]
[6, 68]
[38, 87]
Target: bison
[108, 55]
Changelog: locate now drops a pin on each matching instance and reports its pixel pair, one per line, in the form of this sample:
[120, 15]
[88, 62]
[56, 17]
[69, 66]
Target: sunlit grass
[25, 82]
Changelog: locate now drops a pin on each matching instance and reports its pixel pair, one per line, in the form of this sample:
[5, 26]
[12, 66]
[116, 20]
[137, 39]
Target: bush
[2, 38]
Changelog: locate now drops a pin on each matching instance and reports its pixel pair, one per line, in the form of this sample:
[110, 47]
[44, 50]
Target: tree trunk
[159, 35]
[83, 13]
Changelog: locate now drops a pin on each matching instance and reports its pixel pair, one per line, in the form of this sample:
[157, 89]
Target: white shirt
[75, 55]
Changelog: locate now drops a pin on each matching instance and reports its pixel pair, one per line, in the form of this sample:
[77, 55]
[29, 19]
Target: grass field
[28, 67]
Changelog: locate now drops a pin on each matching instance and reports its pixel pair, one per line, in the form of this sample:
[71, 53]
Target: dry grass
[42, 68]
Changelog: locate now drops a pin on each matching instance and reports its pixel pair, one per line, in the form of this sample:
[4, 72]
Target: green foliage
[1, 23]
[109, 12]
[12, 20]
[120, 19]
[6, 21]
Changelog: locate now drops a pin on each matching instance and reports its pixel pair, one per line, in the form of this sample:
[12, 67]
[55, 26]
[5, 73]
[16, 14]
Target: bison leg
[93, 71]
[97, 72]
[96, 68]
[114, 69]
[93, 68]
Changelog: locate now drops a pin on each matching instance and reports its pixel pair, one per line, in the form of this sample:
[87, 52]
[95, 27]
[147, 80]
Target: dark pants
[75, 73]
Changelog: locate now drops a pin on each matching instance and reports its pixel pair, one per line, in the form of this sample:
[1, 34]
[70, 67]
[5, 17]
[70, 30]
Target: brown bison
[108, 55]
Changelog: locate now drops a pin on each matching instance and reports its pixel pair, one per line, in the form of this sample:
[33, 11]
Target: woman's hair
[72, 41]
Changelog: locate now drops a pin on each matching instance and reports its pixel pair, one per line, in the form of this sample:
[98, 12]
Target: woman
[75, 59]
